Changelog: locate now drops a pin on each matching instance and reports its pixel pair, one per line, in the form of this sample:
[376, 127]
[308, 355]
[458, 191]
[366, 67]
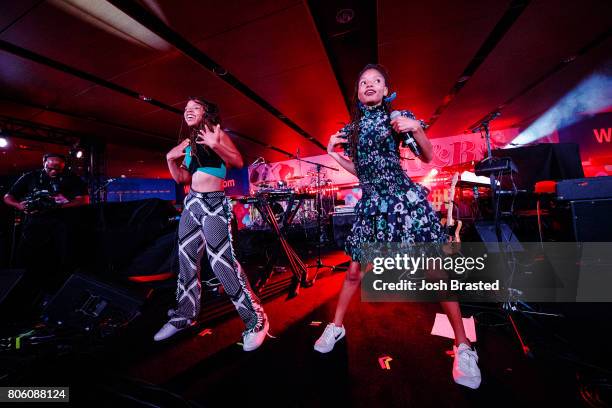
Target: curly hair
[210, 119]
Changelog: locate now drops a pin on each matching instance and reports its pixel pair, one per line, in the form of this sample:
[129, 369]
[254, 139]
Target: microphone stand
[484, 125]
[103, 186]
[17, 222]
[319, 264]
[512, 305]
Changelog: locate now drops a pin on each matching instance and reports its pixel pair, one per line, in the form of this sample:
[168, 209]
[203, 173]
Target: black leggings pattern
[205, 223]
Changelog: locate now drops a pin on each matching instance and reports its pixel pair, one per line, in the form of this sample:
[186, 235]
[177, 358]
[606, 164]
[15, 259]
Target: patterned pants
[205, 223]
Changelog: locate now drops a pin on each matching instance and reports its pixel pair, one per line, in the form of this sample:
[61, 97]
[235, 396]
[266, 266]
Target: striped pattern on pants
[205, 224]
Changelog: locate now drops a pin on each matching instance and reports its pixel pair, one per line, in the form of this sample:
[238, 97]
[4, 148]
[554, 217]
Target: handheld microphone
[408, 140]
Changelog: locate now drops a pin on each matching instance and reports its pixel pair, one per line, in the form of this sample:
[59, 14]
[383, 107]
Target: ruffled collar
[368, 110]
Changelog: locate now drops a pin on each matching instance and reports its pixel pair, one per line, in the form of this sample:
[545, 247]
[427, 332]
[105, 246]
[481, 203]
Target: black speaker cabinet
[488, 235]
[592, 220]
[86, 303]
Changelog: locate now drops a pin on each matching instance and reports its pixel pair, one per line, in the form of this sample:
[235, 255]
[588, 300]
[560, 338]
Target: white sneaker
[168, 330]
[253, 339]
[329, 338]
[465, 367]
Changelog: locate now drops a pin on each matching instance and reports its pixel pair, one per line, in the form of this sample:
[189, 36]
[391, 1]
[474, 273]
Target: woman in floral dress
[393, 208]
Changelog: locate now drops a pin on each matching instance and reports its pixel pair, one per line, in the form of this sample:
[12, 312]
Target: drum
[257, 220]
[307, 211]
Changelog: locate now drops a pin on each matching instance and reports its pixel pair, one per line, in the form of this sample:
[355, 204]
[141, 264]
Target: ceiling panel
[427, 45]
[26, 80]
[56, 34]
[174, 78]
[272, 46]
[281, 57]
[319, 111]
[11, 11]
[14, 110]
[197, 19]
[277, 43]
[102, 133]
[544, 35]
[534, 103]
[266, 128]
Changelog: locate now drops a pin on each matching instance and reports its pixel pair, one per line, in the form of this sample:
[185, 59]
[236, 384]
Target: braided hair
[356, 111]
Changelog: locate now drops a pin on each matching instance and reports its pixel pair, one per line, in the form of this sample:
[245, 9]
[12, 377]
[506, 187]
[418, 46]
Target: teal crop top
[217, 171]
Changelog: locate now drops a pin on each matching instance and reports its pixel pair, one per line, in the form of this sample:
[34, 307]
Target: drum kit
[301, 202]
[277, 191]
[319, 195]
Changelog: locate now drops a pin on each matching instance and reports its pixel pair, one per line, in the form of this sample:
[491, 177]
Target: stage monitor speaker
[86, 303]
[591, 188]
[159, 257]
[342, 224]
[486, 232]
[591, 220]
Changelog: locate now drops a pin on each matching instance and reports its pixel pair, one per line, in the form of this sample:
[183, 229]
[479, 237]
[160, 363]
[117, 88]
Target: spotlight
[429, 178]
[77, 152]
[591, 96]
[3, 142]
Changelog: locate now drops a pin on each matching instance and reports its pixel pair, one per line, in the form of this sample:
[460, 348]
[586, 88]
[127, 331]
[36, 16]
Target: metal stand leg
[300, 273]
[319, 265]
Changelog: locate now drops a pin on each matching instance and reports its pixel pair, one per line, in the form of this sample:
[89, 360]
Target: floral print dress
[393, 208]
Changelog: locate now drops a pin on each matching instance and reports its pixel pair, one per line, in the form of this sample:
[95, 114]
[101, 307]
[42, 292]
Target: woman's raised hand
[210, 138]
[178, 151]
[402, 124]
[334, 140]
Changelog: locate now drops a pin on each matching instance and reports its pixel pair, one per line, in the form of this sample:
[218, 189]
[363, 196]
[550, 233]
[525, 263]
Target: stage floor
[208, 367]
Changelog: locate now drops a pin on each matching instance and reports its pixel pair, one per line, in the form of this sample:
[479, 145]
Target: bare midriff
[205, 183]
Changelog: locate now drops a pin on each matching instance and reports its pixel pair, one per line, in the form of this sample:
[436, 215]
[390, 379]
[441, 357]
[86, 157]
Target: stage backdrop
[132, 189]
[448, 151]
[237, 182]
[129, 189]
[594, 136]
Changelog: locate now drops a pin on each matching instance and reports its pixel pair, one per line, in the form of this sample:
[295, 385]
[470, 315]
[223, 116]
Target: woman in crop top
[201, 160]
